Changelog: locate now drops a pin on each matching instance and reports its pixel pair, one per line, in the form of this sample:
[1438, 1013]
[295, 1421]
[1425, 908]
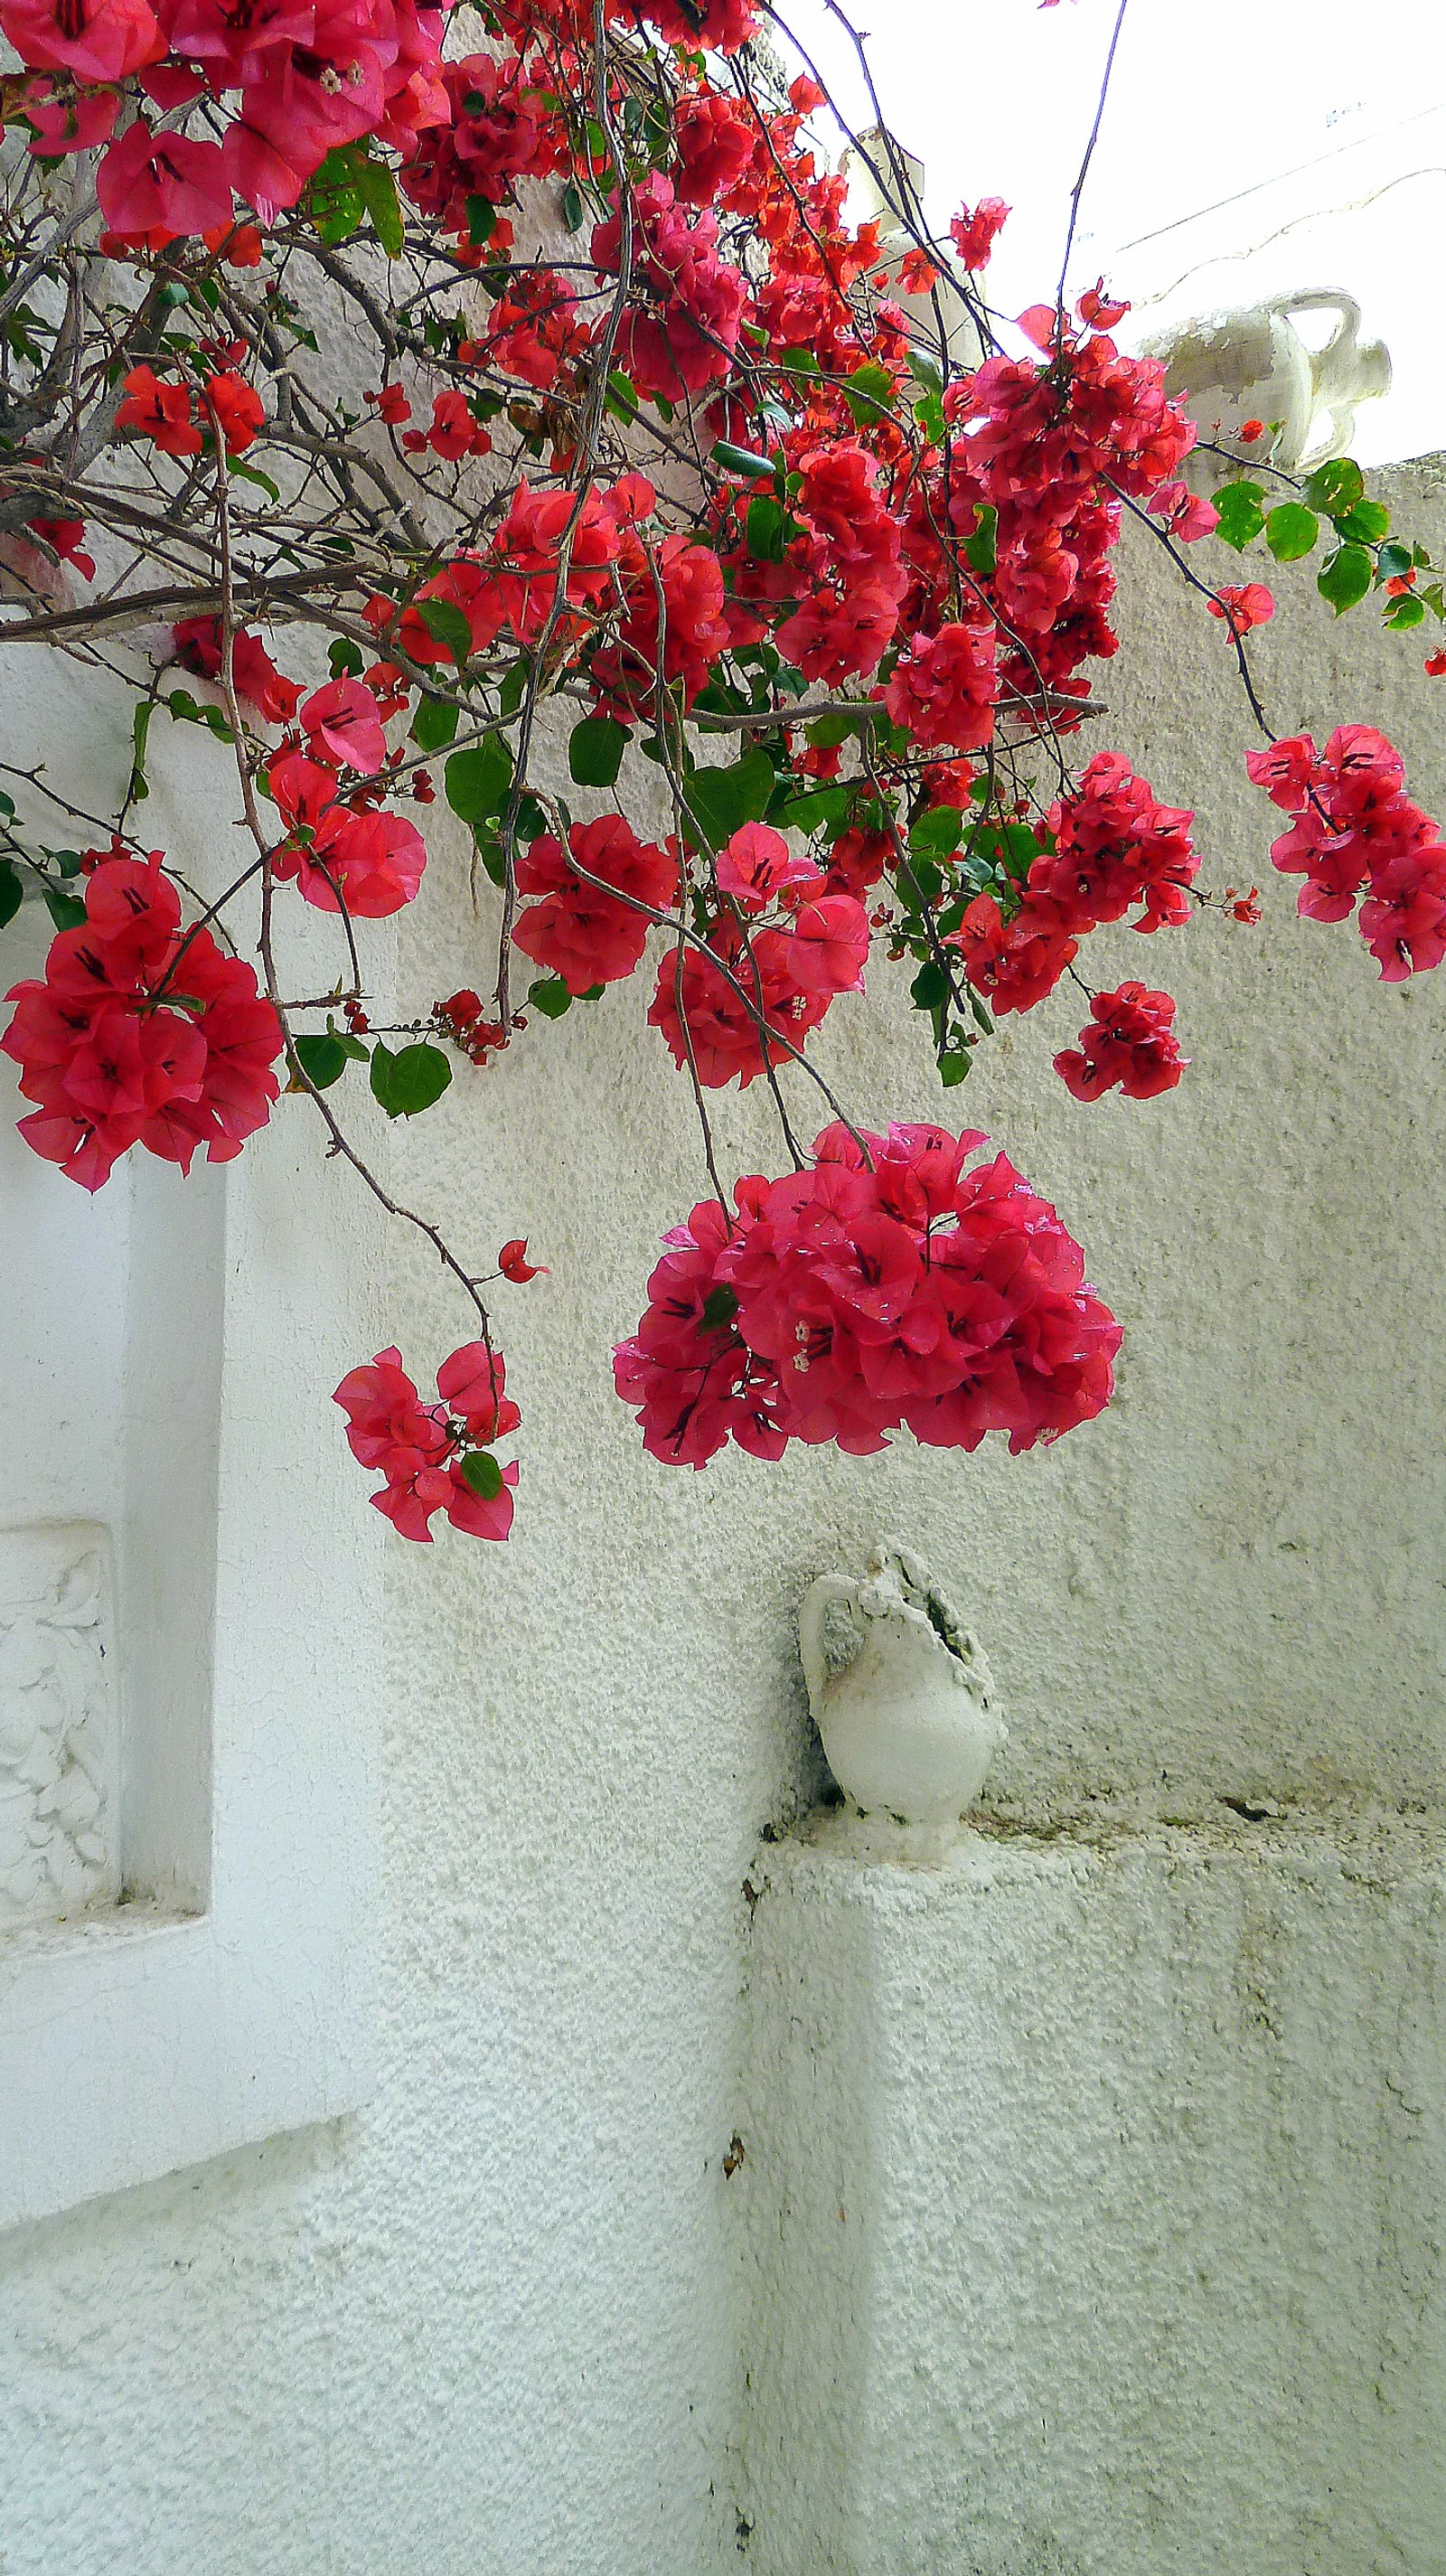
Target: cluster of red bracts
[141, 1034]
[435, 1457]
[1356, 832]
[884, 1285]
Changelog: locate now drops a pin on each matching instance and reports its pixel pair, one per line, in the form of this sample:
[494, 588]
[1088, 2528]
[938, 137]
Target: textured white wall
[493, 2324]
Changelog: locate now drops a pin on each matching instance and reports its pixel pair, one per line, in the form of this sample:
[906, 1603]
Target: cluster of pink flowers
[294, 81]
[580, 930]
[884, 1285]
[847, 566]
[435, 1457]
[1130, 1042]
[1355, 831]
[805, 943]
[140, 1034]
[1109, 845]
[342, 846]
[1050, 447]
[943, 687]
[679, 336]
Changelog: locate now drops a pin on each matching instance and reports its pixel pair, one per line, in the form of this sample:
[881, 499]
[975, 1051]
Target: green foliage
[1345, 577]
[721, 799]
[477, 781]
[323, 1060]
[445, 623]
[1242, 514]
[481, 1471]
[595, 751]
[870, 393]
[11, 892]
[551, 996]
[435, 723]
[980, 548]
[1291, 531]
[411, 1080]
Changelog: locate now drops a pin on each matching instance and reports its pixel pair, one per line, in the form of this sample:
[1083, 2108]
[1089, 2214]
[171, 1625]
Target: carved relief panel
[59, 1736]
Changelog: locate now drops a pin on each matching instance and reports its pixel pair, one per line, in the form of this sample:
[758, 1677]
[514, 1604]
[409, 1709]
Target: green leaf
[1337, 485]
[379, 195]
[719, 1308]
[476, 781]
[1363, 525]
[140, 728]
[741, 460]
[724, 798]
[937, 832]
[766, 527]
[979, 550]
[481, 1471]
[870, 393]
[445, 623]
[1406, 610]
[827, 732]
[1345, 577]
[622, 396]
[322, 1060]
[435, 723]
[64, 909]
[930, 987]
[481, 217]
[253, 474]
[954, 1067]
[816, 805]
[1394, 562]
[345, 658]
[11, 892]
[1242, 515]
[595, 751]
[551, 996]
[572, 208]
[408, 1082]
[494, 860]
[1291, 531]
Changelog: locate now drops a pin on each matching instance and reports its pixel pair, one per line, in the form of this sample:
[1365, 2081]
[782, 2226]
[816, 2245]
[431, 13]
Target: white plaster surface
[1094, 2195]
[497, 2323]
[170, 1348]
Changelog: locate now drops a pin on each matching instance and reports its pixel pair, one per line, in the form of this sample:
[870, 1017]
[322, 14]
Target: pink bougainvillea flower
[68, 119]
[513, 1263]
[161, 413]
[344, 721]
[853, 1297]
[1244, 607]
[592, 932]
[423, 1451]
[238, 408]
[1130, 1042]
[97, 40]
[973, 231]
[158, 188]
[369, 862]
[756, 868]
[140, 1033]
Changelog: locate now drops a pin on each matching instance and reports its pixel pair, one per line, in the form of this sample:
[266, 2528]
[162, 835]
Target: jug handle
[1322, 299]
[831, 1591]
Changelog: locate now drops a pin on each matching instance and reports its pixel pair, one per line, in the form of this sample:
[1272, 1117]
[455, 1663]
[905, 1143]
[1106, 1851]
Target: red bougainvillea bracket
[648, 438]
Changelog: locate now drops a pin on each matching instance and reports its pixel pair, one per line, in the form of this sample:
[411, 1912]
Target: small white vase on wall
[909, 1723]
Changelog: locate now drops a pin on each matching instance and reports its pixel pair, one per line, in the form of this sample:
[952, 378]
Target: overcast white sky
[1248, 148]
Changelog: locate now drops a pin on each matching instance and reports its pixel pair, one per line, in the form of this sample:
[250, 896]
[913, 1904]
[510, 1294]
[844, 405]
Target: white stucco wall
[501, 2320]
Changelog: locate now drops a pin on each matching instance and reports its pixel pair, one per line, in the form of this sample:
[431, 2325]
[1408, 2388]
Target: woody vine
[653, 437]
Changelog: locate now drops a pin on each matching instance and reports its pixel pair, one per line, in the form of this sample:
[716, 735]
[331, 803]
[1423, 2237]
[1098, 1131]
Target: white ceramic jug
[909, 1725]
[1228, 368]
